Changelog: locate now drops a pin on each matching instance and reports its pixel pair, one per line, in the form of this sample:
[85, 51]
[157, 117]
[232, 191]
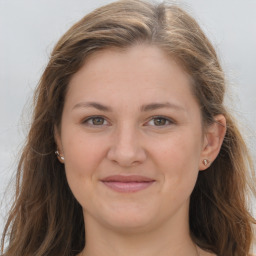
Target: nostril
[126, 156]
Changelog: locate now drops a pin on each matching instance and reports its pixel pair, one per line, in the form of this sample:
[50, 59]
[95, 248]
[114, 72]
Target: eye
[95, 121]
[160, 121]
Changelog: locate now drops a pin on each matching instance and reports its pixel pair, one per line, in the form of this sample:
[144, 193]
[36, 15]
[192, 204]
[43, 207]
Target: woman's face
[131, 135]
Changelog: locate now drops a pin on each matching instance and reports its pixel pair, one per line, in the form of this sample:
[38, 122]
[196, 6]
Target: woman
[131, 150]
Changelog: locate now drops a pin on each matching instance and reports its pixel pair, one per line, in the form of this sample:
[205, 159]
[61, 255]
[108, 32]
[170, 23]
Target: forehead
[140, 73]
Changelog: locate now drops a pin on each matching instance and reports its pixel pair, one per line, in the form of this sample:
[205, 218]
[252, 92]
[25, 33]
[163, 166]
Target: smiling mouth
[127, 184]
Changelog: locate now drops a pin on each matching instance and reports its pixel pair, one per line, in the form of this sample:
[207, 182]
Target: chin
[130, 225]
[128, 219]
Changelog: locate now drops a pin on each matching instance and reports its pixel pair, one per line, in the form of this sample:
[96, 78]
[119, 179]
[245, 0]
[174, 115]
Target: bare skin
[131, 137]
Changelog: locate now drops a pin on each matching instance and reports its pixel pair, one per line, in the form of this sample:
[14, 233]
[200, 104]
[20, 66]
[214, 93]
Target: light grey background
[29, 29]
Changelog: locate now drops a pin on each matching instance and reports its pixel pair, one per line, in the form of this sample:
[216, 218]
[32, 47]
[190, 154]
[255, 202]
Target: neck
[168, 239]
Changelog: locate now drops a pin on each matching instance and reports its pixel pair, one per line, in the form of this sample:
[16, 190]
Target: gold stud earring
[206, 162]
[58, 155]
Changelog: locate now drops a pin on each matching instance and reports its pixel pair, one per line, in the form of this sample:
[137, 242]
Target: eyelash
[86, 121]
[166, 119]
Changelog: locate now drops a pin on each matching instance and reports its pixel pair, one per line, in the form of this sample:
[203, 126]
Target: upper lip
[129, 178]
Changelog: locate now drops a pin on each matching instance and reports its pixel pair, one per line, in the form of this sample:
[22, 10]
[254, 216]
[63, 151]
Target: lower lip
[127, 187]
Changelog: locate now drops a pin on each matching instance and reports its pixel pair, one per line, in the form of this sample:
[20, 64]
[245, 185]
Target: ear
[213, 139]
[59, 149]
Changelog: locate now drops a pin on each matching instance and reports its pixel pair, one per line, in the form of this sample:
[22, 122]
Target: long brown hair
[46, 219]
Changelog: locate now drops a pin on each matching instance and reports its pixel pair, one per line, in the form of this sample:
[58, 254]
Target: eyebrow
[154, 106]
[143, 108]
[93, 105]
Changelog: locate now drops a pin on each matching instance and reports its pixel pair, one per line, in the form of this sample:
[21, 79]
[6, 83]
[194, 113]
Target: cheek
[178, 159]
[179, 149]
[83, 154]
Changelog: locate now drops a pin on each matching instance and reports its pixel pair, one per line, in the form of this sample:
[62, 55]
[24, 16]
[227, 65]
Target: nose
[126, 149]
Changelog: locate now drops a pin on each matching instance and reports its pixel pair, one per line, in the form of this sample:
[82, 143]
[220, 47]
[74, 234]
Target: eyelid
[85, 121]
[170, 120]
